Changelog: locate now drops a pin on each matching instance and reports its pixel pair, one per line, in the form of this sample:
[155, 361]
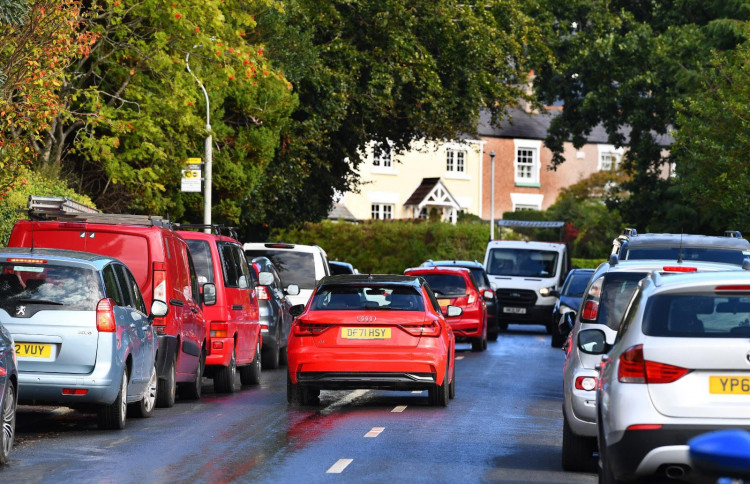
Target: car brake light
[105, 316]
[280, 246]
[3, 371]
[219, 330]
[645, 427]
[679, 269]
[429, 328]
[587, 383]
[472, 297]
[74, 391]
[263, 293]
[590, 310]
[734, 288]
[160, 286]
[634, 368]
[301, 328]
[26, 260]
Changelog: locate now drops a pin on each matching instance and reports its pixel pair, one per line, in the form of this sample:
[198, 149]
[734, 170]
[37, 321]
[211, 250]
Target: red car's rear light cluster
[634, 368]
[301, 328]
[430, 328]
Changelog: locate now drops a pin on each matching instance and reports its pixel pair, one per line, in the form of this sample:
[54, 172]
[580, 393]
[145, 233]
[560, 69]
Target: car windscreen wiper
[39, 301]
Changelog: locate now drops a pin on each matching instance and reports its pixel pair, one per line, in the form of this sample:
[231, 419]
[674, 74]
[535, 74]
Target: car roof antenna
[679, 257]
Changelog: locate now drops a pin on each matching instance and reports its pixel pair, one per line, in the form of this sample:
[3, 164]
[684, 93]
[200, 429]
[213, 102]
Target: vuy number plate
[33, 350]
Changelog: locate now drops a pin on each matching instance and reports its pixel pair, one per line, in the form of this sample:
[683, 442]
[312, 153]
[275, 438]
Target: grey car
[81, 331]
[8, 393]
[273, 307]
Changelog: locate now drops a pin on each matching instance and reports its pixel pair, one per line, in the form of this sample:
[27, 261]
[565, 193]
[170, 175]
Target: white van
[527, 277]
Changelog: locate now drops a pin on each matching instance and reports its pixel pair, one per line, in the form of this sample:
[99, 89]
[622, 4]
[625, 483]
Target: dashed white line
[399, 409]
[417, 391]
[459, 358]
[339, 466]
[375, 432]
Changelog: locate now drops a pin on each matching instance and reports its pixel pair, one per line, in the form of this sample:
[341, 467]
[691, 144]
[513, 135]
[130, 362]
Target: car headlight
[546, 291]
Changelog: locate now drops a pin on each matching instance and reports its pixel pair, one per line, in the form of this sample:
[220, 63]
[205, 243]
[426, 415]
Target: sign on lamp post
[191, 176]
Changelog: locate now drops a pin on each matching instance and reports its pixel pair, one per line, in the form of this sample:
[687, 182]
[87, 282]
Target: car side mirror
[565, 326]
[721, 453]
[453, 311]
[488, 295]
[209, 294]
[265, 278]
[159, 309]
[296, 310]
[292, 290]
[593, 342]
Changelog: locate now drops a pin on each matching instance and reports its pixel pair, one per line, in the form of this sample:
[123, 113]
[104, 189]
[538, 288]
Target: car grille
[516, 297]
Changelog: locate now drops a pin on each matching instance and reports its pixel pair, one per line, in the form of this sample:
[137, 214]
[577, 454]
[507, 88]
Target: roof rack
[629, 231]
[735, 234]
[216, 229]
[67, 210]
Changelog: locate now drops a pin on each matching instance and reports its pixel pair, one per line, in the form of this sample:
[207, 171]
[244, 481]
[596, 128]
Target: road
[505, 426]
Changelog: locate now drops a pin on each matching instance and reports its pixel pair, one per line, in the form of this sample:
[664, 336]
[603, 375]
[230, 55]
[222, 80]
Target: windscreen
[293, 267]
[727, 256]
[380, 297]
[617, 290]
[204, 266]
[697, 316]
[446, 284]
[61, 287]
[522, 262]
[576, 284]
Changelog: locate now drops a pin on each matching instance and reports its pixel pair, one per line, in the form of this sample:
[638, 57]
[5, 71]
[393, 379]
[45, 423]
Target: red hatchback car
[456, 286]
[371, 331]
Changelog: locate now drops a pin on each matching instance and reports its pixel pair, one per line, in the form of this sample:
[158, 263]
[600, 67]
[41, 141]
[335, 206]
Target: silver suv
[678, 368]
[604, 302]
[730, 248]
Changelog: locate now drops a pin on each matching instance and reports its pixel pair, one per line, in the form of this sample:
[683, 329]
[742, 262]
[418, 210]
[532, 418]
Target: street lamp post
[492, 195]
[208, 150]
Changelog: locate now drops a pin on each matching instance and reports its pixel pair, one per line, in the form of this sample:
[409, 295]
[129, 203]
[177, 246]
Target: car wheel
[577, 451]
[270, 357]
[550, 327]
[503, 325]
[556, 340]
[297, 395]
[167, 388]
[605, 473]
[476, 344]
[492, 335]
[192, 390]
[440, 394]
[145, 408]
[250, 374]
[226, 375]
[8, 422]
[112, 416]
[283, 360]
[452, 388]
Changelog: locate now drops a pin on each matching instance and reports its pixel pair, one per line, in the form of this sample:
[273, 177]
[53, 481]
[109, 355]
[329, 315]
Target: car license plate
[33, 350]
[729, 385]
[366, 333]
[444, 302]
[515, 310]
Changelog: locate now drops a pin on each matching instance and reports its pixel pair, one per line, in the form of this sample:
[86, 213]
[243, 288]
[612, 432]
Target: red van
[234, 339]
[162, 265]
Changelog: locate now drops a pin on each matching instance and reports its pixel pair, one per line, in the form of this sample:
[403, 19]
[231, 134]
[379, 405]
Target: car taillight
[301, 328]
[105, 316]
[634, 368]
[472, 297]
[219, 330]
[263, 293]
[160, 286]
[734, 288]
[587, 383]
[590, 310]
[679, 269]
[429, 328]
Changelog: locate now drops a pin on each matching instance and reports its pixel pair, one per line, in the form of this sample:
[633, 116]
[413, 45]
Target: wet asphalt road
[505, 426]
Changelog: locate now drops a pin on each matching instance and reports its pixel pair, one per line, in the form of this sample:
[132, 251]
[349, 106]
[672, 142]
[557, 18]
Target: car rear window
[576, 284]
[728, 256]
[522, 262]
[204, 265]
[60, 287]
[293, 267]
[381, 297]
[697, 316]
[446, 284]
[617, 289]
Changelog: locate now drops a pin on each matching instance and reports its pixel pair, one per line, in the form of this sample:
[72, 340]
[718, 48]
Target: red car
[456, 286]
[371, 331]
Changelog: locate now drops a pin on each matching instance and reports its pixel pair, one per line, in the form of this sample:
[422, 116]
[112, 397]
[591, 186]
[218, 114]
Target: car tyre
[113, 416]
[250, 374]
[550, 327]
[452, 387]
[226, 376]
[167, 388]
[503, 325]
[283, 360]
[577, 451]
[270, 356]
[440, 394]
[556, 340]
[478, 344]
[192, 390]
[606, 476]
[297, 395]
[492, 335]
[145, 408]
[8, 422]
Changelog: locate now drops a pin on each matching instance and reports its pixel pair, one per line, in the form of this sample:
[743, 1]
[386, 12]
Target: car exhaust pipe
[675, 471]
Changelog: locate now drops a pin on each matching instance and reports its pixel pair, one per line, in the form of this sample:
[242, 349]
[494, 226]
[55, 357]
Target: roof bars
[216, 229]
[629, 231]
[735, 234]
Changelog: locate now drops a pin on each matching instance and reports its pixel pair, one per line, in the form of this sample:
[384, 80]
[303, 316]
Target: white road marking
[374, 432]
[399, 409]
[339, 466]
[417, 391]
[342, 401]
[459, 358]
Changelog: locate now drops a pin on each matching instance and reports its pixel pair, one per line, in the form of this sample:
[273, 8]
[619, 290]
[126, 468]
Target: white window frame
[526, 201]
[455, 160]
[609, 153]
[383, 163]
[381, 211]
[531, 175]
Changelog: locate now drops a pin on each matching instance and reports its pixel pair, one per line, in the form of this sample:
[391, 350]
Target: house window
[521, 208]
[383, 158]
[381, 211]
[609, 161]
[527, 171]
[455, 161]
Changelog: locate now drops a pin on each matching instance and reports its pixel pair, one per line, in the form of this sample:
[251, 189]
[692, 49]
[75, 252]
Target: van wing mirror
[159, 309]
[265, 278]
[296, 310]
[209, 294]
[292, 290]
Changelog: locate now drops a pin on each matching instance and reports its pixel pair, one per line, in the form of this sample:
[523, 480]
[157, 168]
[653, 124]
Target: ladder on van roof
[65, 209]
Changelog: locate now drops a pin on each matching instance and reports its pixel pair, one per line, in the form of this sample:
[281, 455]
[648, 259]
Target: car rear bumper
[344, 380]
[533, 314]
[102, 386]
[220, 353]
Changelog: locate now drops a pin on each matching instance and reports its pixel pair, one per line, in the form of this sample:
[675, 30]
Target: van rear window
[293, 267]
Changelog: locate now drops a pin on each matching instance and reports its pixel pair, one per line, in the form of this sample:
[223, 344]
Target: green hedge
[586, 263]
[389, 247]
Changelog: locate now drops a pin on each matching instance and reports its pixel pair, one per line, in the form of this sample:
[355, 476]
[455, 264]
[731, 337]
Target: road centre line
[374, 432]
[399, 409]
[339, 466]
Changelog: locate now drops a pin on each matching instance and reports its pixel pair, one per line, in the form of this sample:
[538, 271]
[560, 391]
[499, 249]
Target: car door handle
[237, 307]
[176, 302]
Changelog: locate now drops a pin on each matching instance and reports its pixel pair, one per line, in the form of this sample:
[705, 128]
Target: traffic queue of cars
[657, 355]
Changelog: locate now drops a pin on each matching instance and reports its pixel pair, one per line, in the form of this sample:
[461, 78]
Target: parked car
[299, 265]
[338, 267]
[371, 331]
[275, 320]
[456, 286]
[730, 248]
[606, 298]
[234, 337]
[568, 301]
[81, 331]
[678, 368]
[9, 395]
[526, 276]
[162, 265]
[485, 287]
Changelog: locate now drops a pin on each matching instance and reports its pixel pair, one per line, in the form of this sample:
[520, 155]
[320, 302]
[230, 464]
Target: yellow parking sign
[191, 176]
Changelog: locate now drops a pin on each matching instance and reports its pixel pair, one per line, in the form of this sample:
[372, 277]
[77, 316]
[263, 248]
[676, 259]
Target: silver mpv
[81, 331]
